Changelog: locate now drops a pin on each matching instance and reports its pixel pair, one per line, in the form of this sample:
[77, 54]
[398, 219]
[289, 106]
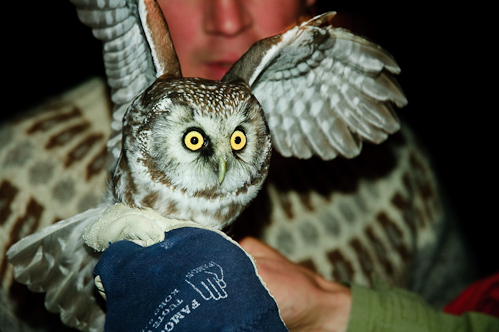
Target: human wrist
[336, 307]
[331, 312]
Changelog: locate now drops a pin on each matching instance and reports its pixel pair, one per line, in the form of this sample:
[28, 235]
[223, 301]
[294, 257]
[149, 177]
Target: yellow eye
[238, 140]
[194, 140]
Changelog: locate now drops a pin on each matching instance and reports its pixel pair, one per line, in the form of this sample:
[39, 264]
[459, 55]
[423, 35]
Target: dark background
[447, 74]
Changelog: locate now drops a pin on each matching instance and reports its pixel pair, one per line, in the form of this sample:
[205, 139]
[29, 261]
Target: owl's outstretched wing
[323, 89]
[135, 41]
[57, 261]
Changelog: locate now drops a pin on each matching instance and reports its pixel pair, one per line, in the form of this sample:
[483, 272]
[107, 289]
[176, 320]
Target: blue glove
[195, 280]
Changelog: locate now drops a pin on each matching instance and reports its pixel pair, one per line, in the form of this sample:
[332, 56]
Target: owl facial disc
[195, 150]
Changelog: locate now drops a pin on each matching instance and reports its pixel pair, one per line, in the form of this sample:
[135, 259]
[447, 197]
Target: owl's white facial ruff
[177, 142]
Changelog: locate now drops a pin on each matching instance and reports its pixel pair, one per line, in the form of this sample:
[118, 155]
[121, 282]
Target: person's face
[210, 35]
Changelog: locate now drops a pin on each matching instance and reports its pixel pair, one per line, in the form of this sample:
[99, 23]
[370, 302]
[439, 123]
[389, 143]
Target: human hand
[307, 302]
[194, 280]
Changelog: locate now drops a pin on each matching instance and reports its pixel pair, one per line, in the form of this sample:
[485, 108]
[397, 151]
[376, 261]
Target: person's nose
[226, 17]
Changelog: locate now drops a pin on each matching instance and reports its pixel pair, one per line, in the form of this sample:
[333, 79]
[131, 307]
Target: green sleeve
[386, 309]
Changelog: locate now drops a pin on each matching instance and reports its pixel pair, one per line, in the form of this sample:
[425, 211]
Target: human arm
[310, 303]
[388, 309]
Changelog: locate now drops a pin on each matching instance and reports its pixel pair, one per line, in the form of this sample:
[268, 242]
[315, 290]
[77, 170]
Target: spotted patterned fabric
[52, 166]
[379, 215]
[376, 216]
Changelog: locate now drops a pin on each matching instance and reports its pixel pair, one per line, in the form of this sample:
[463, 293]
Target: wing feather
[315, 139]
[352, 78]
[57, 261]
[135, 49]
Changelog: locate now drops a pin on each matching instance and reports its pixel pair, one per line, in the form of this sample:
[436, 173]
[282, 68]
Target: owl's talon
[120, 222]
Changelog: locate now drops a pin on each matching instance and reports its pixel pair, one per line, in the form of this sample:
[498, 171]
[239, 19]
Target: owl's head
[194, 149]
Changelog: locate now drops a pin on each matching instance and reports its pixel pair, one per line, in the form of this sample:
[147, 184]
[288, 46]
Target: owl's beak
[222, 168]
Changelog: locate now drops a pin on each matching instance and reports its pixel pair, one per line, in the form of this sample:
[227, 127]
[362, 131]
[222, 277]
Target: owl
[199, 150]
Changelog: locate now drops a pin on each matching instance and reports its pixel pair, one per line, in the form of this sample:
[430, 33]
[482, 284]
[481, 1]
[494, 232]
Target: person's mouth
[217, 69]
